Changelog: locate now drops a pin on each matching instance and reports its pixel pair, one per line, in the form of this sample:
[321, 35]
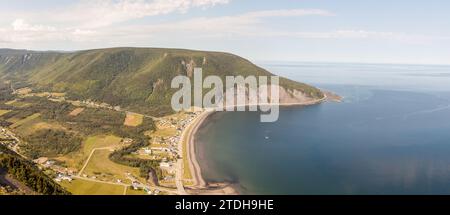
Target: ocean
[390, 135]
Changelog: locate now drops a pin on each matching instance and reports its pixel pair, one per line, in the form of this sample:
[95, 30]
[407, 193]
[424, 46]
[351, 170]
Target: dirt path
[89, 158]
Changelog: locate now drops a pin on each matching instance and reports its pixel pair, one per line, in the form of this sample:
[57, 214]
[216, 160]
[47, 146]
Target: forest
[28, 174]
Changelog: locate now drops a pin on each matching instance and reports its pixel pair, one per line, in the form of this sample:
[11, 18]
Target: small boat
[267, 137]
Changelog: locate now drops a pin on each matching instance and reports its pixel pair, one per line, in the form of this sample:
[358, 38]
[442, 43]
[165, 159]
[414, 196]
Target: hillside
[135, 78]
[20, 174]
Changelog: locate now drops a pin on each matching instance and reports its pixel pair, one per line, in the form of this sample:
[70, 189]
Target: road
[16, 146]
[142, 186]
[179, 178]
[147, 116]
[89, 158]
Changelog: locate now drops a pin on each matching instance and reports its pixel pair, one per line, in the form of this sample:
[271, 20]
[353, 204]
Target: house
[135, 185]
[49, 163]
[63, 177]
[164, 165]
[67, 178]
[147, 151]
[127, 140]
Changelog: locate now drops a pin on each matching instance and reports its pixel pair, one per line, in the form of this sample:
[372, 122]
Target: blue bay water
[390, 135]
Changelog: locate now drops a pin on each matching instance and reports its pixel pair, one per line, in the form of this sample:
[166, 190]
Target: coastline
[200, 186]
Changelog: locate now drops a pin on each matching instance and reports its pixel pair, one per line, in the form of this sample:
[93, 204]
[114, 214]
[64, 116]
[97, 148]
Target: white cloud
[84, 29]
[102, 13]
[251, 25]
[247, 24]
[288, 13]
[21, 25]
[102, 21]
[84, 20]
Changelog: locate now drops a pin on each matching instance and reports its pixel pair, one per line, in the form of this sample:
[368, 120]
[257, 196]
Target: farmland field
[23, 121]
[76, 112]
[84, 187]
[104, 169]
[133, 119]
[3, 112]
[100, 141]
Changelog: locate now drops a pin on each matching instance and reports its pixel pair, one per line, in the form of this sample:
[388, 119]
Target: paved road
[179, 178]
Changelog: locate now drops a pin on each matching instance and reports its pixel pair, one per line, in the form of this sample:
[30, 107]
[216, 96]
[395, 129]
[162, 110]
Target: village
[8, 139]
[163, 147]
[165, 144]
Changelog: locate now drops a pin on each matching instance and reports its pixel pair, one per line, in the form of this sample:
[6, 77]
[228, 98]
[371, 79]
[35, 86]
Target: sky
[358, 31]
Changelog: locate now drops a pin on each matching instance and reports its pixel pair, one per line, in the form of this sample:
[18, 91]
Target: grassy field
[18, 104]
[130, 191]
[104, 169]
[165, 132]
[187, 171]
[76, 112]
[10, 102]
[83, 187]
[23, 121]
[3, 112]
[36, 124]
[100, 141]
[76, 160]
[13, 120]
[46, 94]
[23, 91]
[133, 119]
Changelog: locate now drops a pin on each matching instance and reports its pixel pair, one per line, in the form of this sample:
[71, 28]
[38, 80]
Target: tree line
[27, 173]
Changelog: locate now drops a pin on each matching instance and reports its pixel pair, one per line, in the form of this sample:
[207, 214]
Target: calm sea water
[391, 135]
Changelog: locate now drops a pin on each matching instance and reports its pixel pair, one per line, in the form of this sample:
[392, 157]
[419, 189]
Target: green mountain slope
[135, 78]
[28, 174]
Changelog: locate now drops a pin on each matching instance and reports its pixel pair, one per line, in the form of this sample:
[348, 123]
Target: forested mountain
[28, 174]
[136, 78]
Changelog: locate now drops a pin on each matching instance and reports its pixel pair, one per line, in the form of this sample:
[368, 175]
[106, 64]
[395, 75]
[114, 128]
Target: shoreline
[200, 186]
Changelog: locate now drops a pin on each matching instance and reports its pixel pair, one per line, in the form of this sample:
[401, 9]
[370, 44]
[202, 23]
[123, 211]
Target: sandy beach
[200, 186]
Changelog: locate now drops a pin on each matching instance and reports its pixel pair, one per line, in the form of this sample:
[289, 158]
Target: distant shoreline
[199, 183]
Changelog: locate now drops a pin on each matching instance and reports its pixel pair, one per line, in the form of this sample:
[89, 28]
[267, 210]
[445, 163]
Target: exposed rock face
[293, 96]
[285, 97]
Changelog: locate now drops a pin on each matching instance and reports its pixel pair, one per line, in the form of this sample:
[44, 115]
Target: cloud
[81, 28]
[22, 31]
[252, 25]
[102, 13]
[21, 25]
[247, 24]
[288, 13]
[86, 20]
[105, 21]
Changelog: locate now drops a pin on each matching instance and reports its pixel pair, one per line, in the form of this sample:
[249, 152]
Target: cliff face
[137, 78]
